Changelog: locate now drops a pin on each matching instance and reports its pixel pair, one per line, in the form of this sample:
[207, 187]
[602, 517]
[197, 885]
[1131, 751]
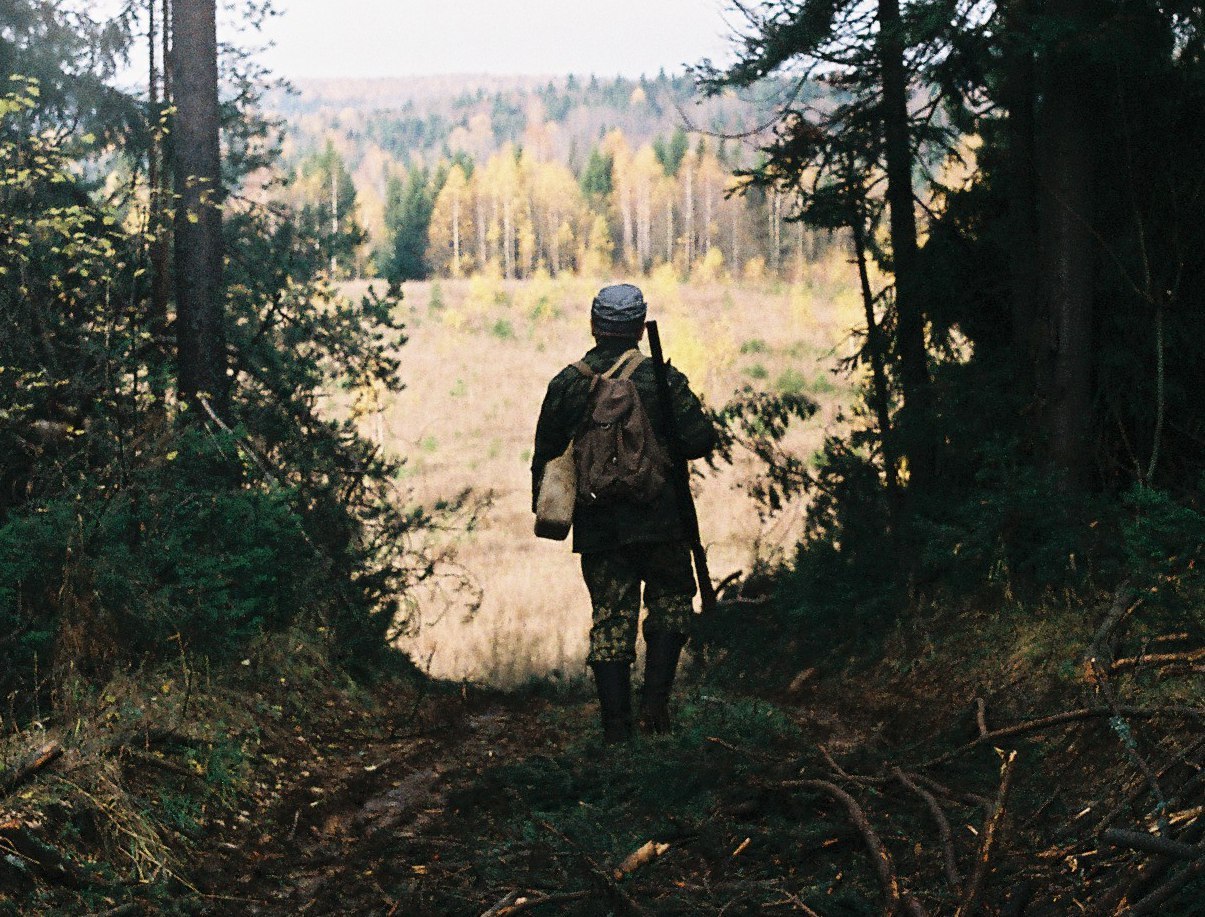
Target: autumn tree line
[523, 208]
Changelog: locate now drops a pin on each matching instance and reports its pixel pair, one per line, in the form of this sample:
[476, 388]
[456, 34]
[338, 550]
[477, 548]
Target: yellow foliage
[538, 296]
[485, 292]
[755, 269]
[456, 319]
[710, 267]
[662, 290]
[801, 306]
[596, 258]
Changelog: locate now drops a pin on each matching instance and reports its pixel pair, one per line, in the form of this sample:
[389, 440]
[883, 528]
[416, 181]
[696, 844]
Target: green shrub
[791, 382]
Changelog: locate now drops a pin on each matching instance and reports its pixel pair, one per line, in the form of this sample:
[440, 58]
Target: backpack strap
[633, 363]
[621, 369]
[625, 365]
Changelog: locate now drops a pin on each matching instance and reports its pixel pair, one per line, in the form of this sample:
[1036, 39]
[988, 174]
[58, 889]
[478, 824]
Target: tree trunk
[1019, 93]
[200, 309]
[157, 193]
[910, 317]
[1065, 168]
[669, 230]
[878, 350]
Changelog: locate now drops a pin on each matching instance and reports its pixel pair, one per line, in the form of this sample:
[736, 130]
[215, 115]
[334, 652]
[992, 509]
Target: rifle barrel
[680, 474]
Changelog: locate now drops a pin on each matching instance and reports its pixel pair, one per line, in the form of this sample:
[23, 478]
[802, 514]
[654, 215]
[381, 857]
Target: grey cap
[618, 310]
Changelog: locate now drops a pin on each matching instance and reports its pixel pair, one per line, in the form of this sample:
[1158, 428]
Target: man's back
[605, 526]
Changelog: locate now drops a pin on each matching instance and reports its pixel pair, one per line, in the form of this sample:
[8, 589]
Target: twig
[500, 906]
[1126, 733]
[981, 716]
[1058, 719]
[1117, 611]
[1152, 843]
[520, 904]
[970, 799]
[943, 828]
[42, 758]
[974, 891]
[1158, 659]
[1153, 903]
[883, 864]
[841, 772]
[606, 883]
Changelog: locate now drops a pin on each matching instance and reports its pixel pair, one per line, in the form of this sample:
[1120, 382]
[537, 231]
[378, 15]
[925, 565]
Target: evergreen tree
[328, 208]
[671, 152]
[597, 181]
[409, 205]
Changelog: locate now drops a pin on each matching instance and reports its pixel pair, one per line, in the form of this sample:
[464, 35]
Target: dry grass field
[480, 355]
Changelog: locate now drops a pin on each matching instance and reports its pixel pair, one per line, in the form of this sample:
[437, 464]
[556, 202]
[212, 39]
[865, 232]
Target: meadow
[480, 354]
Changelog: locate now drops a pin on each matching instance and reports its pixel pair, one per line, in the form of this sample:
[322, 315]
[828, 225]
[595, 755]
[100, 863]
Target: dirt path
[359, 804]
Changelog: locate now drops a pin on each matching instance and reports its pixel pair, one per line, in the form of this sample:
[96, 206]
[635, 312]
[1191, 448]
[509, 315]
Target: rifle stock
[680, 474]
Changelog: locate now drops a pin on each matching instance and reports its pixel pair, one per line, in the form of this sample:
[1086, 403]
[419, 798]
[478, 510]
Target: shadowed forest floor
[770, 797]
[828, 791]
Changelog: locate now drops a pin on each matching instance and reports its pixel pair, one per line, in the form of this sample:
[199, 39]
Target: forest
[933, 266]
[575, 175]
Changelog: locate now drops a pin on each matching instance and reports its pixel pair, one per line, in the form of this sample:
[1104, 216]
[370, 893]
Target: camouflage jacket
[602, 527]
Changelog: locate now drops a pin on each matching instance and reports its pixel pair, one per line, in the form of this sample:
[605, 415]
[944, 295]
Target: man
[625, 543]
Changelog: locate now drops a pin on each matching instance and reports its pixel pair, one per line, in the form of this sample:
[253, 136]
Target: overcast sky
[359, 38]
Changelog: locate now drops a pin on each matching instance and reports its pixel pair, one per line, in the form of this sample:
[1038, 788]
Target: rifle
[680, 474]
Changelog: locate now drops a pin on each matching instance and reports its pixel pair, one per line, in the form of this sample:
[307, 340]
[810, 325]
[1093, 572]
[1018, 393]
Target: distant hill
[426, 117]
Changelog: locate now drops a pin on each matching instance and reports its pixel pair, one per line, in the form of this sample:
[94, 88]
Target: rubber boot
[614, 682]
[662, 649]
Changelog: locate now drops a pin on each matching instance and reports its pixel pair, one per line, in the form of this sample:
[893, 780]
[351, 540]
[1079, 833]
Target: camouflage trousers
[614, 579]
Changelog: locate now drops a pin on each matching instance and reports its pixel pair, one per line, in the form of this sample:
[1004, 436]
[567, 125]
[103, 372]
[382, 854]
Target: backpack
[616, 453]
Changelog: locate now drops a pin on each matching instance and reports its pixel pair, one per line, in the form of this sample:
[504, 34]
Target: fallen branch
[501, 906]
[981, 716]
[883, 864]
[607, 885]
[17, 838]
[1158, 659]
[970, 799]
[1061, 719]
[516, 902]
[1152, 843]
[974, 891]
[42, 758]
[1117, 611]
[640, 857]
[527, 904]
[841, 772]
[1125, 733]
[1153, 903]
[943, 828]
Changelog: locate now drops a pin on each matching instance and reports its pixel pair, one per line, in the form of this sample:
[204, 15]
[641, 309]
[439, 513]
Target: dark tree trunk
[1020, 88]
[878, 350]
[910, 316]
[1065, 155]
[157, 37]
[200, 319]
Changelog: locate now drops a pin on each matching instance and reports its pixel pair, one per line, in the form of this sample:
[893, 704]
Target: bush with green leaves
[131, 527]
